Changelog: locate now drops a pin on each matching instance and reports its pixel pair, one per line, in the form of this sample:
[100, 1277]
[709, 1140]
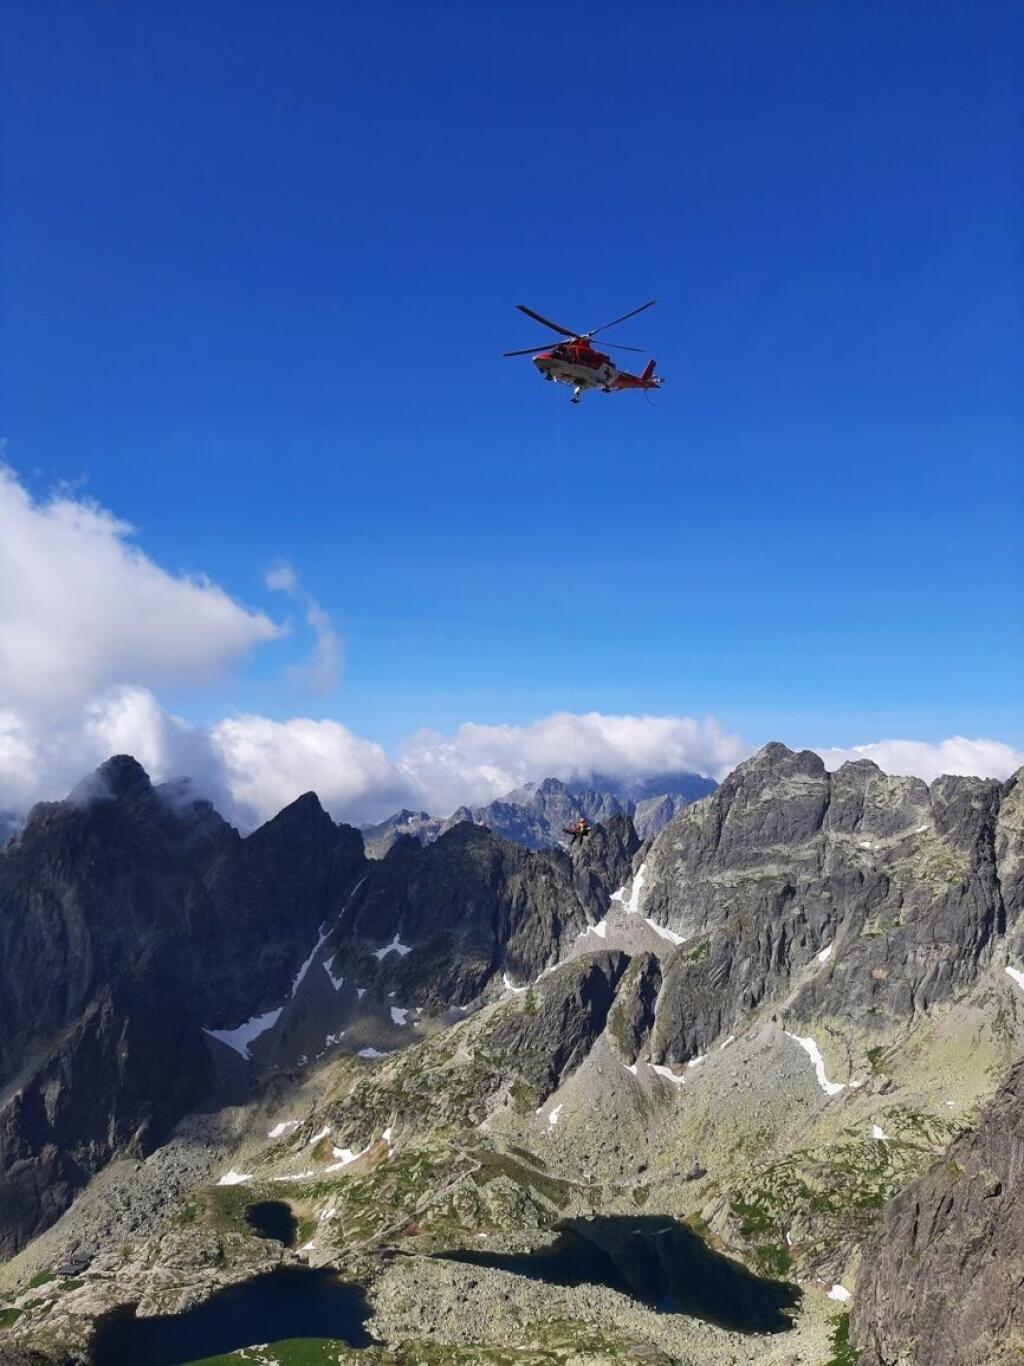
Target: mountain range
[784, 1033]
[537, 814]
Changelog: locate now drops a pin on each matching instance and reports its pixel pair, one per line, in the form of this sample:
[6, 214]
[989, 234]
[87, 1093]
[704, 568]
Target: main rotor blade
[542, 346]
[555, 327]
[616, 321]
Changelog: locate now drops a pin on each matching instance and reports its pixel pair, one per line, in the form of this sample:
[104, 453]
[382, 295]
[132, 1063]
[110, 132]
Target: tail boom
[647, 380]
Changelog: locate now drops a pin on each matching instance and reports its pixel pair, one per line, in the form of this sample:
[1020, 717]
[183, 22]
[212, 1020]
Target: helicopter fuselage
[582, 368]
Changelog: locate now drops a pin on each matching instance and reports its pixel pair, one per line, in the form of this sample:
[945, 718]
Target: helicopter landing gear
[576, 395]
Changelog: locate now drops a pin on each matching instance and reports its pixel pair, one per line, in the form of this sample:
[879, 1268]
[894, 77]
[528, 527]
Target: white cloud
[84, 609]
[930, 759]
[43, 758]
[89, 625]
[479, 763]
[321, 672]
[252, 766]
[267, 764]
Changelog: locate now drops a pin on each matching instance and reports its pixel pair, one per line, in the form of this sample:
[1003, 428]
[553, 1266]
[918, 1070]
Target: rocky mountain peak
[779, 761]
[120, 779]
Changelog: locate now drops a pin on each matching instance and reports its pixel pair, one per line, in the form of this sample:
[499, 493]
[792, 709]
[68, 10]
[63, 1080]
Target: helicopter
[576, 362]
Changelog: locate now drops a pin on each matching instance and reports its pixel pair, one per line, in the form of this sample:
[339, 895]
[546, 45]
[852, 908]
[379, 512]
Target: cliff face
[905, 892]
[942, 1276]
[135, 928]
[127, 1068]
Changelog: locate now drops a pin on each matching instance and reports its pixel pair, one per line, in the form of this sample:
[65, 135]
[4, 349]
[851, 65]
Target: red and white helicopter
[576, 362]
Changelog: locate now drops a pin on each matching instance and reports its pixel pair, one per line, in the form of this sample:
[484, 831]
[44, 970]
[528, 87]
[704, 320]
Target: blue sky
[260, 262]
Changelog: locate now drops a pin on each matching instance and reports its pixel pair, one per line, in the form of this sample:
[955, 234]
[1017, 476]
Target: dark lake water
[292, 1302]
[659, 1262]
[273, 1219]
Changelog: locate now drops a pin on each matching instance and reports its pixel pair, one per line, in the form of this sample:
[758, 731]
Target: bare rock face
[907, 891]
[472, 906]
[631, 1019]
[113, 1084]
[134, 920]
[941, 1278]
[549, 1043]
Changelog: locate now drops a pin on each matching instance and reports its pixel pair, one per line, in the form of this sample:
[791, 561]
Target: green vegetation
[550, 1188]
[700, 1226]
[836, 1191]
[702, 951]
[40, 1278]
[9, 1316]
[874, 1056]
[843, 1351]
[772, 1259]
[293, 1352]
[548, 1344]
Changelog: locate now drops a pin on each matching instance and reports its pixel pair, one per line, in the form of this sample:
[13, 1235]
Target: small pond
[658, 1261]
[292, 1302]
[273, 1219]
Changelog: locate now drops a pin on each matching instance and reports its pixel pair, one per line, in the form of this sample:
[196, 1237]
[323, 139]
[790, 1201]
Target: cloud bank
[83, 608]
[921, 759]
[91, 628]
[251, 766]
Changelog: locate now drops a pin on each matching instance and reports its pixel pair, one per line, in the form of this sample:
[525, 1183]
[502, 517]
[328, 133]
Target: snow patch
[631, 1068]
[670, 935]
[694, 1062]
[234, 1178]
[374, 1053]
[600, 929]
[243, 1035]
[831, 1088]
[398, 1015]
[336, 982]
[730, 1040]
[396, 946]
[878, 1133]
[300, 975]
[825, 954]
[1017, 976]
[344, 1157]
[840, 1293]
[297, 1176]
[285, 1127]
[633, 904]
[506, 982]
[553, 1117]
[666, 1072]
[322, 1134]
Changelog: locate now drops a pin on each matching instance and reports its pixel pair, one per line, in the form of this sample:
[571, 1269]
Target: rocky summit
[480, 1082]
